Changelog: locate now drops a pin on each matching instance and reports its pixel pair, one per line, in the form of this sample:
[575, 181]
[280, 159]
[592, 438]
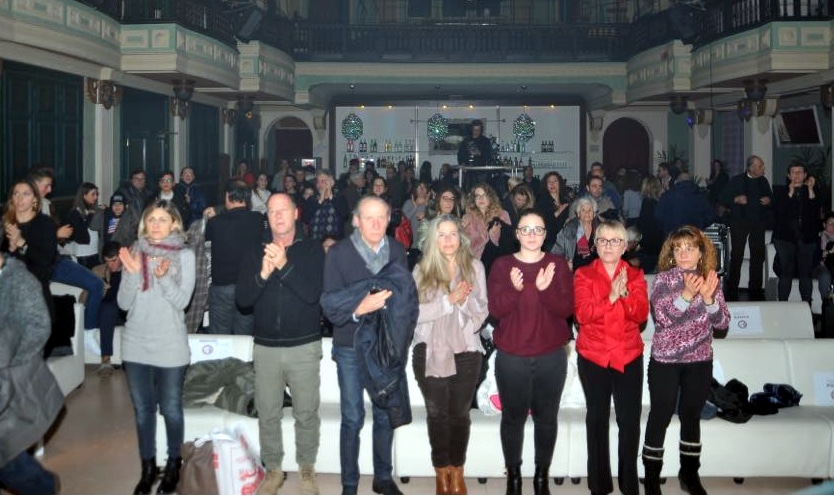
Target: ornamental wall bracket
[102, 92]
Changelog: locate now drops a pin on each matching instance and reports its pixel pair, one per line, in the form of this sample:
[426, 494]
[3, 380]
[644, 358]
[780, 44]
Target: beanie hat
[117, 198]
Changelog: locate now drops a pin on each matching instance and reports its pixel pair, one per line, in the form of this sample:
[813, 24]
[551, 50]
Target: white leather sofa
[772, 285]
[69, 370]
[797, 442]
[200, 421]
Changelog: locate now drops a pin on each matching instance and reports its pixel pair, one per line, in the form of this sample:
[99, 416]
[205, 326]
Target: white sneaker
[309, 485]
[91, 346]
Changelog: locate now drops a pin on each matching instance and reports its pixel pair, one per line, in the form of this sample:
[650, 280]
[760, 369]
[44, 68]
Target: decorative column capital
[102, 92]
[229, 116]
[179, 107]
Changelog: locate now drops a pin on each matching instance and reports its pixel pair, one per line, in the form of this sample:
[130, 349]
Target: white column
[758, 140]
[179, 144]
[700, 145]
[106, 177]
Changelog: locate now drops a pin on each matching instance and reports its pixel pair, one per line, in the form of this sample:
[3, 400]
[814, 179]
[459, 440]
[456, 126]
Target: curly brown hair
[493, 210]
[693, 236]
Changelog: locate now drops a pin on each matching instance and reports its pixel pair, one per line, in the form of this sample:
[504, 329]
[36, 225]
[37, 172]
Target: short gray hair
[582, 201]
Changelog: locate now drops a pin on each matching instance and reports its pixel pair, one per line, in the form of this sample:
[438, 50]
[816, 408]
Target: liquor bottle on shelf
[350, 146]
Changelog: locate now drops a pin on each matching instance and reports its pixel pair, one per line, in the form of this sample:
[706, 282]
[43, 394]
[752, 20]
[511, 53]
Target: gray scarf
[373, 261]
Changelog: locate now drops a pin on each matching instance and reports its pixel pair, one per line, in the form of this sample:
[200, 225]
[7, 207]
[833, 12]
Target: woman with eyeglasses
[575, 241]
[688, 304]
[451, 284]
[611, 304]
[445, 201]
[531, 297]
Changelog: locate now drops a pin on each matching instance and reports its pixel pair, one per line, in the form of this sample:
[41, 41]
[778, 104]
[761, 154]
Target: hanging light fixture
[524, 127]
[437, 126]
[352, 126]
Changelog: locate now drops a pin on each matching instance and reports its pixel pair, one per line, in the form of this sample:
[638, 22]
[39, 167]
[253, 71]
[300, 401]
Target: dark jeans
[352, 397]
[666, 380]
[69, 272]
[23, 474]
[448, 400]
[110, 317]
[224, 315]
[530, 384]
[740, 232]
[795, 257]
[89, 262]
[150, 386]
[599, 384]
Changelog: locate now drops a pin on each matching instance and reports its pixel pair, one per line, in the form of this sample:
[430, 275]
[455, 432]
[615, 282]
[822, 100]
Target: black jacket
[797, 216]
[382, 338]
[287, 311]
[233, 234]
[755, 189]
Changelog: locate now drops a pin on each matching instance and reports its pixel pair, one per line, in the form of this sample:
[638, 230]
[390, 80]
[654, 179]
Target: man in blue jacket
[684, 204]
[282, 282]
[356, 258]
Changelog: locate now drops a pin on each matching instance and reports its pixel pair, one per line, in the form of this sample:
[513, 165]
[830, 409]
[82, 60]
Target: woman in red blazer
[611, 302]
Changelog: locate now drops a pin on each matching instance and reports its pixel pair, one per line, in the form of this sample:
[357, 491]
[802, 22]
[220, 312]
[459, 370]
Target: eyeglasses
[531, 230]
[447, 198]
[477, 196]
[166, 180]
[829, 222]
[613, 242]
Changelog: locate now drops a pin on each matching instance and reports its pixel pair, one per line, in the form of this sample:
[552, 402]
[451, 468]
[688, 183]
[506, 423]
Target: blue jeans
[151, 386]
[23, 474]
[352, 399]
[224, 315]
[69, 272]
[111, 316]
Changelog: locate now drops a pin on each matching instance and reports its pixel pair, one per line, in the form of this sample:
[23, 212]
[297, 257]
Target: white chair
[69, 370]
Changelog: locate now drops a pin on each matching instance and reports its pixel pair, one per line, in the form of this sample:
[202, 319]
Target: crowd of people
[398, 262]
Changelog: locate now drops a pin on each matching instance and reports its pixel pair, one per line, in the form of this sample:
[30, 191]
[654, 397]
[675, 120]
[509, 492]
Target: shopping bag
[237, 468]
[197, 471]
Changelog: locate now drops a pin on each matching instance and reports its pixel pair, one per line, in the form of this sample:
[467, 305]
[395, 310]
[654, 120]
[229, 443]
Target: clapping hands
[619, 286]
[694, 284]
[461, 292]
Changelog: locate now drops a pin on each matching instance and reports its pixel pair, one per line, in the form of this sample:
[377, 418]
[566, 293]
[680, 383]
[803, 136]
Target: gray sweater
[155, 332]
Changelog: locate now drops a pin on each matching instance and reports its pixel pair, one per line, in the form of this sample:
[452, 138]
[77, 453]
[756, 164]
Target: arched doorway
[290, 139]
[626, 145]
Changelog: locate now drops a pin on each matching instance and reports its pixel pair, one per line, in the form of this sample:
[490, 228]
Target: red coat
[609, 335]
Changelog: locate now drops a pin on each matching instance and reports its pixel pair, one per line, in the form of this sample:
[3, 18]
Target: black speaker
[686, 22]
[248, 25]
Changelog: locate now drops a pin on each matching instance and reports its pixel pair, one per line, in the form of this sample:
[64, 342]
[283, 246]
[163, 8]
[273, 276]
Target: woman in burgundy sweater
[611, 303]
[531, 296]
[687, 304]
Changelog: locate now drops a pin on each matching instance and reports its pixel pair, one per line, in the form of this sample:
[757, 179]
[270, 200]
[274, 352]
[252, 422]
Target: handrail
[195, 15]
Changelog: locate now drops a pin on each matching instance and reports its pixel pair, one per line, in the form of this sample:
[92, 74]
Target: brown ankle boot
[443, 485]
[458, 484]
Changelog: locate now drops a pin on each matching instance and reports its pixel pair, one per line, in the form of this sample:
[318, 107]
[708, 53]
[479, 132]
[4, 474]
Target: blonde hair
[651, 188]
[433, 269]
[693, 236]
[612, 226]
[493, 210]
[169, 208]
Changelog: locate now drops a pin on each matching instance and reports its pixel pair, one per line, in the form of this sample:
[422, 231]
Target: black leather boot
[514, 480]
[170, 477]
[149, 473]
[653, 464]
[690, 463]
[541, 481]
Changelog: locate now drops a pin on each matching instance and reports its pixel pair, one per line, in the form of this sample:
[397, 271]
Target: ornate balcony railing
[703, 23]
[195, 15]
[449, 42]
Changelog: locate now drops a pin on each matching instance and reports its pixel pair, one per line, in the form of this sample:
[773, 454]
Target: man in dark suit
[475, 151]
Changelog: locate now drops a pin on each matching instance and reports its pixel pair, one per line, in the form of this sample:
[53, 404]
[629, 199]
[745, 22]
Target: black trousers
[530, 384]
[448, 400]
[740, 232]
[599, 384]
[669, 381]
[795, 259]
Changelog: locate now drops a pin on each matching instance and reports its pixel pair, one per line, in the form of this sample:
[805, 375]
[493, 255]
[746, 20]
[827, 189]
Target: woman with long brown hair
[481, 220]
[687, 304]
